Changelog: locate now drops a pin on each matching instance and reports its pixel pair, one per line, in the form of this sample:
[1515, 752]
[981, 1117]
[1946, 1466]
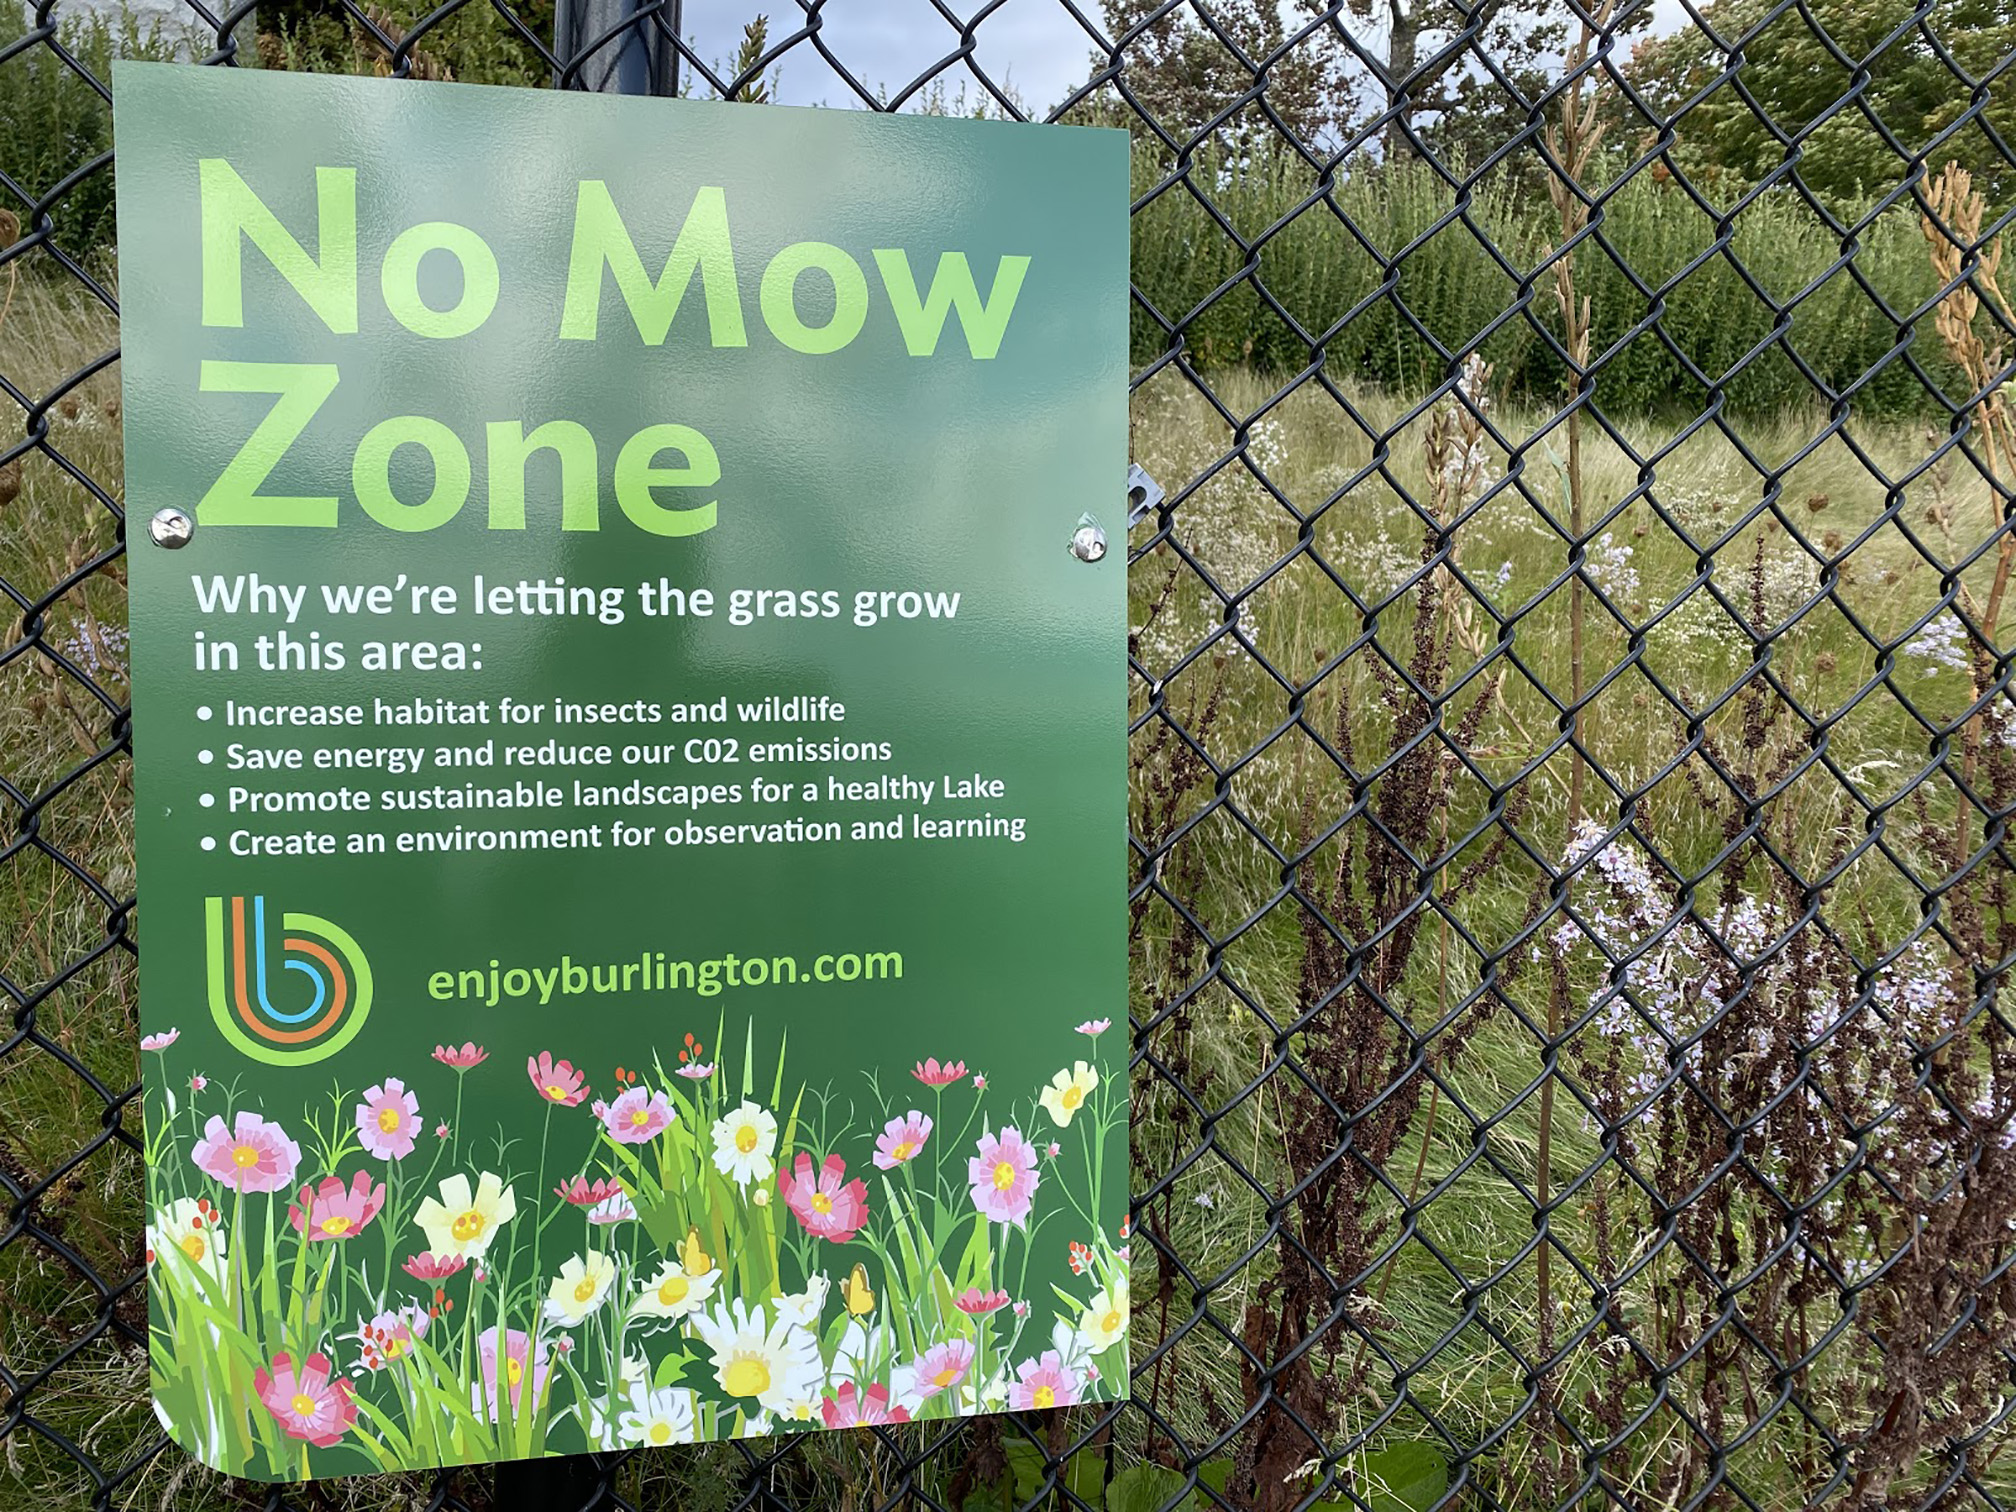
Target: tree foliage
[1798, 72]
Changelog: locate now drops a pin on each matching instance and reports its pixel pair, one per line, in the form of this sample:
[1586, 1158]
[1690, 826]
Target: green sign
[631, 781]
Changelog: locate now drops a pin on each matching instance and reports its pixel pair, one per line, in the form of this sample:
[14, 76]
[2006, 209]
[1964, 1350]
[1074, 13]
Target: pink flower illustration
[617, 1209]
[637, 1117]
[556, 1081]
[513, 1361]
[848, 1408]
[307, 1404]
[441, 1130]
[1004, 1176]
[334, 1211]
[198, 1082]
[830, 1206]
[697, 1071]
[388, 1120]
[387, 1337]
[251, 1156]
[1042, 1383]
[975, 1301]
[1021, 1309]
[581, 1192]
[462, 1058]
[902, 1139]
[933, 1074]
[1095, 1027]
[160, 1041]
[980, 1082]
[425, 1267]
[943, 1366]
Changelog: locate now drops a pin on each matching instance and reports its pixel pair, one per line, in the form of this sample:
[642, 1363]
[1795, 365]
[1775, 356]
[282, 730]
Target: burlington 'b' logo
[262, 1005]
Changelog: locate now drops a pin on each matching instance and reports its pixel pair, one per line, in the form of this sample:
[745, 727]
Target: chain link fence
[1573, 751]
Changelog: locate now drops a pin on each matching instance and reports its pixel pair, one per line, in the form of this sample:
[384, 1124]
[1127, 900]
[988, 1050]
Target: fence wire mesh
[1573, 753]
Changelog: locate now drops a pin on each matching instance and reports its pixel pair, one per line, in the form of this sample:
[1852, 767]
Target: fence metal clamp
[1143, 494]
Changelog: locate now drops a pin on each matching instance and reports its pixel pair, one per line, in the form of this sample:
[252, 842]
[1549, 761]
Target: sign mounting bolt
[1088, 541]
[172, 528]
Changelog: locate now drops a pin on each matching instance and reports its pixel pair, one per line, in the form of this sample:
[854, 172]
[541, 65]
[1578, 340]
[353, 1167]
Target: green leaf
[1149, 1488]
[1404, 1478]
[1084, 1472]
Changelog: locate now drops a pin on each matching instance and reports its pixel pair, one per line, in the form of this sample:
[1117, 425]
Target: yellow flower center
[336, 1225]
[661, 1432]
[514, 1372]
[394, 1348]
[1072, 1096]
[555, 1091]
[467, 1226]
[821, 1203]
[1111, 1322]
[945, 1378]
[193, 1246]
[388, 1120]
[746, 1377]
[303, 1404]
[673, 1291]
[1004, 1175]
[244, 1155]
[902, 1150]
[584, 1289]
[745, 1138]
[640, 1118]
[1043, 1397]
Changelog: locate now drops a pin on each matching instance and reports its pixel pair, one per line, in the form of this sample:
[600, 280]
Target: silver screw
[172, 528]
[1088, 541]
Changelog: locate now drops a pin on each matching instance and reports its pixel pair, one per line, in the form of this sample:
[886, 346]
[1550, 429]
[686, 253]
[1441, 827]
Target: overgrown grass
[1455, 1308]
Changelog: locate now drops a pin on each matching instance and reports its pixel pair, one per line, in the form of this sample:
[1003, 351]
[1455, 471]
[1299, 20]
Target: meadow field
[1371, 618]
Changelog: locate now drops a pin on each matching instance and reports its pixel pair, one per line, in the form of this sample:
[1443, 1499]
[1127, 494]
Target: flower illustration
[830, 1206]
[198, 1082]
[975, 1301]
[979, 1081]
[637, 1117]
[662, 1417]
[849, 1408]
[776, 1367]
[1067, 1092]
[932, 1074]
[461, 1222]
[674, 1293]
[803, 1308]
[160, 1041]
[513, 1360]
[697, 1071]
[433, 1267]
[252, 1156]
[856, 1295]
[307, 1404]
[1080, 1258]
[1042, 1383]
[193, 1226]
[581, 1192]
[745, 1144]
[581, 1287]
[387, 1337]
[901, 1139]
[334, 1211]
[388, 1120]
[1095, 1027]
[556, 1081]
[616, 1209]
[1104, 1322]
[942, 1366]
[462, 1058]
[1004, 1177]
